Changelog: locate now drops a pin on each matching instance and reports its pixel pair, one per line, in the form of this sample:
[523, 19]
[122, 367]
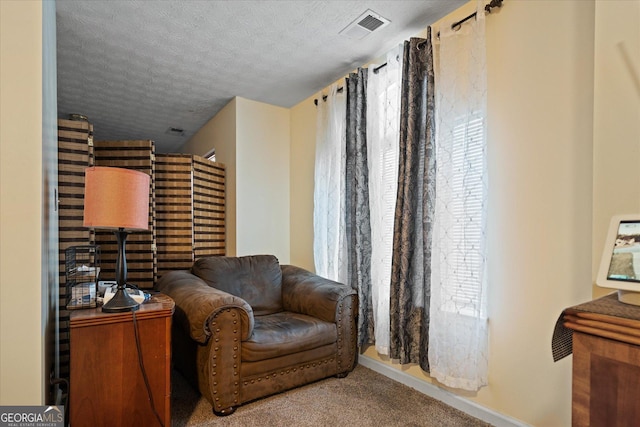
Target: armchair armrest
[313, 295]
[197, 304]
[307, 293]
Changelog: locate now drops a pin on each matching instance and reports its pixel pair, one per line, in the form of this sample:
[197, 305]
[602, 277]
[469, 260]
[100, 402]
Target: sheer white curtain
[458, 333]
[329, 238]
[383, 134]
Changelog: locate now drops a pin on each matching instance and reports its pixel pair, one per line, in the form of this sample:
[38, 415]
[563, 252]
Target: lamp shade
[116, 198]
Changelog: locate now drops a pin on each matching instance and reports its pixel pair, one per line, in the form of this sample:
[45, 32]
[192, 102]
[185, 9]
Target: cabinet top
[159, 305]
[605, 317]
[609, 306]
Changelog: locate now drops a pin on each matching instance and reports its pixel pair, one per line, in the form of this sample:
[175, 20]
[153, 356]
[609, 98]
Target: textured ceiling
[138, 67]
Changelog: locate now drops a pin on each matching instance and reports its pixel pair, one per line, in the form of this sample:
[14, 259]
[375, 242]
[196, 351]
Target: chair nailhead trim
[216, 352]
[273, 375]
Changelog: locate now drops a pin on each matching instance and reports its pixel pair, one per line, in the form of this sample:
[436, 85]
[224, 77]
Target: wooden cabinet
[107, 386]
[606, 365]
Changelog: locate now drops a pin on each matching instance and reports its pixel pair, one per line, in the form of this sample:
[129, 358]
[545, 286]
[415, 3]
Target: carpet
[363, 398]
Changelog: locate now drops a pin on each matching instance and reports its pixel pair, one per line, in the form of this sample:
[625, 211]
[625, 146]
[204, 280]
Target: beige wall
[540, 104]
[616, 125]
[263, 141]
[540, 62]
[220, 132]
[252, 139]
[21, 213]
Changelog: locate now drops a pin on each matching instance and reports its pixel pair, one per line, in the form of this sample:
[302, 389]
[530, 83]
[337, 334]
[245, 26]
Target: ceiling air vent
[174, 131]
[364, 25]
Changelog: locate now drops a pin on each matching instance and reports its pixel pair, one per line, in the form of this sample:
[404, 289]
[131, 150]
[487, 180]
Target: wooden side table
[606, 363]
[107, 387]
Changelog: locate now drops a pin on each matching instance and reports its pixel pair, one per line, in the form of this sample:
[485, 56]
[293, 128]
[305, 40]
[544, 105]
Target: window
[462, 291]
[211, 155]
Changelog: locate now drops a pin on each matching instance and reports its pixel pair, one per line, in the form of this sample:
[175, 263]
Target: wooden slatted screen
[174, 212]
[190, 221]
[75, 154]
[209, 206]
[186, 205]
[140, 246]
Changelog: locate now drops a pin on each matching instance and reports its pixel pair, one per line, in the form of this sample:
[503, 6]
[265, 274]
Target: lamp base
[121, 302]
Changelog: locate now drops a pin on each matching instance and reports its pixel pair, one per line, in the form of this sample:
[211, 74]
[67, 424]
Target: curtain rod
[455, 27]
[324, 97]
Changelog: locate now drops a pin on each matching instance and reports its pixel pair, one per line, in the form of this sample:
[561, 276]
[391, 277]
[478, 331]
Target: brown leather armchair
[246, 327]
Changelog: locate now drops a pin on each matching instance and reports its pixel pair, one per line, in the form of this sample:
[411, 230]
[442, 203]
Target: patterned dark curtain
[411, 269]
[358, 225]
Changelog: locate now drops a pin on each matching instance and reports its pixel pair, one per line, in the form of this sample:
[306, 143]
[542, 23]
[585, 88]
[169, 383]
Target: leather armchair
[246, 327]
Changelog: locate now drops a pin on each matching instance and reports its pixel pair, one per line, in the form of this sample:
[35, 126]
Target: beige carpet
[363, 398]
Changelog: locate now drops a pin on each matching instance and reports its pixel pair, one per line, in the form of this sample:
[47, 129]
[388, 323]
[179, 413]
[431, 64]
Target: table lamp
[117, 199]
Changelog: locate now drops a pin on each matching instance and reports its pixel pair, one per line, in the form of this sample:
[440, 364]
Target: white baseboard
[457, 402]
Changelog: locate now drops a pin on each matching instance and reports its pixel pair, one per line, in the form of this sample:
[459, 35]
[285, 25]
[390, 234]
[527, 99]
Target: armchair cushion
[256, 279]
[285, 333]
